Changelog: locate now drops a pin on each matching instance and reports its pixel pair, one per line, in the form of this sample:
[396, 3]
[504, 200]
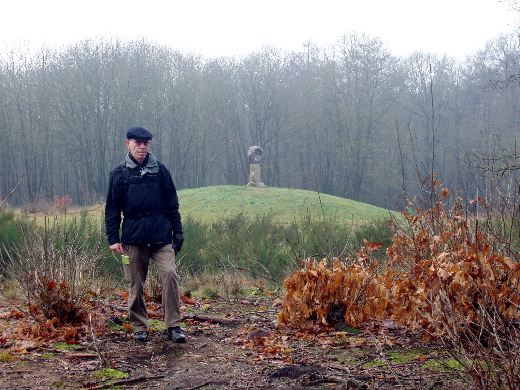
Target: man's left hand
[178, 240]
[117, 247]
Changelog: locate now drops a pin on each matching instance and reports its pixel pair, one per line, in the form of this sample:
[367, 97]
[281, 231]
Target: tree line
[350, 120]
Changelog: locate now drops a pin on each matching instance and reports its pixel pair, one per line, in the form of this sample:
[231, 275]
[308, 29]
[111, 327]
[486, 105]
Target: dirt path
[239, 349]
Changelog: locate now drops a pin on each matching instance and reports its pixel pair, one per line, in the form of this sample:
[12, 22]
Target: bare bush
[61, 203]
[57, 269]
[40, 207]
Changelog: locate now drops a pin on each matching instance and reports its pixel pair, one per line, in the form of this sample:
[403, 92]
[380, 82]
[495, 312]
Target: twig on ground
[126, 381]
[205, 384]
[199, 386]
[112, 306]
[217, 320]
[85, 356]
[95, 342]
[315, 382]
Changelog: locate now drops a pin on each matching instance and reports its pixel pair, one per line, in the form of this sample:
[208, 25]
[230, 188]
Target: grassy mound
[210, 204]
[262, 230]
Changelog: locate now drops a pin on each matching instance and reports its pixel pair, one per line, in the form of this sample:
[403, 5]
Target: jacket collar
[152, 166]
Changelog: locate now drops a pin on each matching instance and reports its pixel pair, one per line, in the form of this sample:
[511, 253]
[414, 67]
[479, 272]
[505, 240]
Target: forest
[350, 120]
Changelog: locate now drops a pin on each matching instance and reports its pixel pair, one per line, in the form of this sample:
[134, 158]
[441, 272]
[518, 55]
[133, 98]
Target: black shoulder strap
[126, 175]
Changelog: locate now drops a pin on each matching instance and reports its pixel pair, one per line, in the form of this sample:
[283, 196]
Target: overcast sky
[215, 28]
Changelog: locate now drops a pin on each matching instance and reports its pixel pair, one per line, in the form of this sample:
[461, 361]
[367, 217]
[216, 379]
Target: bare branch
[14, 189]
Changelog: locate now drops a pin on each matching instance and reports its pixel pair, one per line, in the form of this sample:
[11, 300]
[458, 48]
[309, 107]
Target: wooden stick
[207, 383]
[112, 306]
[125, 381]
[217, 320]
[199, 386]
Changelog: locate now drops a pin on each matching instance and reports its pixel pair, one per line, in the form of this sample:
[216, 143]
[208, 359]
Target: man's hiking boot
[176, 335]
[141, 335]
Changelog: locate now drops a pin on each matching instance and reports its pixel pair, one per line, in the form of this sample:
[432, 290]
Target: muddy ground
[232, 344]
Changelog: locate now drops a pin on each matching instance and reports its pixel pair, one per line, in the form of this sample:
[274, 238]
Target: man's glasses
[144, 142]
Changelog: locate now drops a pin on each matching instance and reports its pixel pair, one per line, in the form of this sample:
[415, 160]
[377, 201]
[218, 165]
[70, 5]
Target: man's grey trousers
[136, 273]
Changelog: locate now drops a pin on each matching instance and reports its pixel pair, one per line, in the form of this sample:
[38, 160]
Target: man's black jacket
[147, 198]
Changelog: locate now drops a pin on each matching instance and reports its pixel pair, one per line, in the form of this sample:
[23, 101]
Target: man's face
[138, 149]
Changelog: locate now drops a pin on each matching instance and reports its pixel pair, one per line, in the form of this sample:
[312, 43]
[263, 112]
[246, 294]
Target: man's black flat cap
[138, 132]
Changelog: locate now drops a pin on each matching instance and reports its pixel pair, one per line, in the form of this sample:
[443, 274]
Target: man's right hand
[117, 247]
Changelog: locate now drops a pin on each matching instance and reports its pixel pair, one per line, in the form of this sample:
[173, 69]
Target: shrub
[57, 268]
[322, 294]
[441, 278]
[461, 286]
[268, 248]
[10, 232]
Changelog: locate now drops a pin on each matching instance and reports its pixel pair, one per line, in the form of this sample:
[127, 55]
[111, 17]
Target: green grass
[156, 325]
[210, 204]
[447, 364]
[403, 355]
[109, 373]
[264, 231]
[6, 356]
[66, 347]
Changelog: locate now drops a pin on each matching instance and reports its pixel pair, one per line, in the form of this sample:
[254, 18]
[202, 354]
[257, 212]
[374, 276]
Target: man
[141, 188]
